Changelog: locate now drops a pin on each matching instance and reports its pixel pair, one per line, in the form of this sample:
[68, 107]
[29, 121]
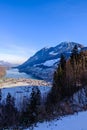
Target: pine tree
[35, 100]
[10, 100]
[59, 79]
[74, 59]
[10, 111]
[63, 62]
[30, 116]
[74, 55]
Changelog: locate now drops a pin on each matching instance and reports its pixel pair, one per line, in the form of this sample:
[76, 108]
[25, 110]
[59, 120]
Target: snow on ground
[51, 62]
[74, 122]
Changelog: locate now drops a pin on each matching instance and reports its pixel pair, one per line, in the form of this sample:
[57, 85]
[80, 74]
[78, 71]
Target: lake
[14, 73]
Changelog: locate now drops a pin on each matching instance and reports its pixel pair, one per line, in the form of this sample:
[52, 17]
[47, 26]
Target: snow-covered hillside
[22, 92]
[51, 62]
[73, 122]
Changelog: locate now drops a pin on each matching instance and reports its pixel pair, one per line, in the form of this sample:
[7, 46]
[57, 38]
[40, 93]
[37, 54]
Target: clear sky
[28, 25]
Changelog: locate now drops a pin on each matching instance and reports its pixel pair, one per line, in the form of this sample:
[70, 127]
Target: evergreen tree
[35, 101]
[74, 55]
[10, 100]
[10, 111]
[63, 62]
[73, 61]
[75, 51]
[30, 116]
[59, 79]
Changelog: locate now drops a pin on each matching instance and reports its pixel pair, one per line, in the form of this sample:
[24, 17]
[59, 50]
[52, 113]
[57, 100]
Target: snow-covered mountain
[43, 63]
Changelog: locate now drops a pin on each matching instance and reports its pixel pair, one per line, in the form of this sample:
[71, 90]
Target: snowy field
[74, 122]
[22, 92]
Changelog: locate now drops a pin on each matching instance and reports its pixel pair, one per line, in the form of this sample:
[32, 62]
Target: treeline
[70, 76]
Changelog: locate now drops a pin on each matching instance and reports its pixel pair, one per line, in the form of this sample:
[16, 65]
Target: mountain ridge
[39, 63]
[7, 64]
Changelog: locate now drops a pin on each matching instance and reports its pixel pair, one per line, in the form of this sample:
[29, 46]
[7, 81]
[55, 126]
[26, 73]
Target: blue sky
[28, 25]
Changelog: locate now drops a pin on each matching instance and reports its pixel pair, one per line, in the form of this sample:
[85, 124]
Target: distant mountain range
[44, 62]
[7, 64]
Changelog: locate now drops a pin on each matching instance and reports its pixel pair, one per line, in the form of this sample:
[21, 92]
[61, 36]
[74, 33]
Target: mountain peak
[46, 47]
[69, 43]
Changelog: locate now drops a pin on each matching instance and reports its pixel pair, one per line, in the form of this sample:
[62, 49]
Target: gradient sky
[28, 25]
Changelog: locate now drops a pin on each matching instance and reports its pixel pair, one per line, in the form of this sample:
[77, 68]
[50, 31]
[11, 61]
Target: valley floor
[10, 82]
